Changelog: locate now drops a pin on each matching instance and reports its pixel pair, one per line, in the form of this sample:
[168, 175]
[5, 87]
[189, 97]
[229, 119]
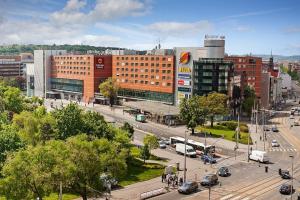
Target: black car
[224, 172]
[188, 187]
[285, 189]
[209, 180]
[285, 174]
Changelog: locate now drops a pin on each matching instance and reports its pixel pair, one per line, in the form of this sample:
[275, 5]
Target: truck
[260, 156]
[189, 150]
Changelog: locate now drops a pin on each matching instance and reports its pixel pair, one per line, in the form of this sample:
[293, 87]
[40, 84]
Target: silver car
[162, 144]
[275, 143]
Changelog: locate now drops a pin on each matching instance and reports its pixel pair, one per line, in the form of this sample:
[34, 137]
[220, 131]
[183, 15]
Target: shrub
[244, 129]
[231, 125]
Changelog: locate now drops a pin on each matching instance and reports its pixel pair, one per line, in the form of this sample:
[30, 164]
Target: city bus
[199, 147]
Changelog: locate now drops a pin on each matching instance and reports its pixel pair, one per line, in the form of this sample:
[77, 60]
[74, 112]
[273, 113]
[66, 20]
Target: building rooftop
[153, 107]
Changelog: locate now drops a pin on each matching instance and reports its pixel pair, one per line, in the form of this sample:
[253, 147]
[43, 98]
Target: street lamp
[184, 173]
[292, 157]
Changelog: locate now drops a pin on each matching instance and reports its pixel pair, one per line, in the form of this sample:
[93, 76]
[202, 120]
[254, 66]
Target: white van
[189, 150]
[260, 156]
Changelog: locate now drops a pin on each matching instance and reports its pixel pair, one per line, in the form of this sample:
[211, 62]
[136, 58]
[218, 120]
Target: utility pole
[256, 120]
[184, 173]
[263, 123]
[249, 135]
[291, 156]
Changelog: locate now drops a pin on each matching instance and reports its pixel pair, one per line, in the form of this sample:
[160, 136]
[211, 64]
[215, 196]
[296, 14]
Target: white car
[275, 143]
[292, 117]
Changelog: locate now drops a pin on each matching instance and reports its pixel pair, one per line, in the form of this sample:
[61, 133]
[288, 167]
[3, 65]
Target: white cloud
[179, 28]
[75, 5]
[103, 10]
[243, 29]
[292, 30]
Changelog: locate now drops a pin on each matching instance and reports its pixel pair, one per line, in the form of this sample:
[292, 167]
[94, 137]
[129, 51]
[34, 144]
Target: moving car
[292, 117]
[140, 118]
[224, 172]
[180, 149]
[266, 128]
[285, 174]
[274, 128]
[285, 189]
[209, 180]
[296, 123]
[275, 143]
[188, 187]
[260, 156]
[162, 144]
[208, 159]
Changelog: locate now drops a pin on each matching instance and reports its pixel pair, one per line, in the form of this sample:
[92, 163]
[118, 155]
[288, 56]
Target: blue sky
[256, 26]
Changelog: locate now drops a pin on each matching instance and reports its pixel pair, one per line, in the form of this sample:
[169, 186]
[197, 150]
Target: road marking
[295, 149]
[245, 198]
[236, 198]
[226, 197]
[283, 149]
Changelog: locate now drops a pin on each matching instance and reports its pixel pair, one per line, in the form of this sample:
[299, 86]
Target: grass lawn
[228, 134]
[135, 152]
[54, 196]
[138, 171]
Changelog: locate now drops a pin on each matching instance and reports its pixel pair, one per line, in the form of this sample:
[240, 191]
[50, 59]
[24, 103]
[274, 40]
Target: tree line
[69, 147]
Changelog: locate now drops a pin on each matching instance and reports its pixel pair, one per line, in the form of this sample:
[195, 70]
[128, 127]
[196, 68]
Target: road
[248, 180]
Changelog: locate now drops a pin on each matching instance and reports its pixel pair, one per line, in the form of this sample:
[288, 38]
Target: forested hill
[16, 49]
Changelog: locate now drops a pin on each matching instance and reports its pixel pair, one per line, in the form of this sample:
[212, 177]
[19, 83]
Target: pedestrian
[162, 177]
[180, 181]
[260, 138]
[168, 180]
[250, 148]
[210, 134]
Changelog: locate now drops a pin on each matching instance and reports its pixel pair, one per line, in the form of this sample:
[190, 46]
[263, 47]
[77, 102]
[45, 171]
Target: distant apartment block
[11, 66]
[250, 70]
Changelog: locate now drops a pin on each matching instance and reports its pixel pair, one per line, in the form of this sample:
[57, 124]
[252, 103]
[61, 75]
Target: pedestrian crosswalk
[232, 197]
[283, 149]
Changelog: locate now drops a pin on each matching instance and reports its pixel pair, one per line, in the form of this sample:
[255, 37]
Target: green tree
[216, 104]
[151, 141]
[109, 89]
[68, 120]
[27, 174]
[145, 153]
[129, 128]
[13, 100]
[95, 125]
[192, 112]
[248, 101]
[9, 142]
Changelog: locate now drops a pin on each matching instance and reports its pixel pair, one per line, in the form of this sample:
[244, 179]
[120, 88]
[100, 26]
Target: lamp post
[184, 173]
[292, 157]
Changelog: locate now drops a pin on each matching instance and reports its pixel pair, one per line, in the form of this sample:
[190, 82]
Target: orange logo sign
[184, 57]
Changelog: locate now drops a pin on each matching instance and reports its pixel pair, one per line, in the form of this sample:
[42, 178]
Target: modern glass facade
[69, 85]
[147, 95]
[211, 75]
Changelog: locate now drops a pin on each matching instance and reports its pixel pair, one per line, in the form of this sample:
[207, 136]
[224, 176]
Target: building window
[163, 77]
[146, 58]
[157, 58]
[157, 71]
[146, 82]
[164, 59]
[163, 65]
[168, 84]
[156, 83]
[152, 58]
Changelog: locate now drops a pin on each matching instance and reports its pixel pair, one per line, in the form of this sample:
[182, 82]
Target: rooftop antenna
[159, 46]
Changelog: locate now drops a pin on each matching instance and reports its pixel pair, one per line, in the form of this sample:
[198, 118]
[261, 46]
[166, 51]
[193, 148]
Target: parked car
[224, 172]
[275, 143]
[286, 189]
[208, 159]
[188, 187]
[162, 144]
[167, 141]
[292, 117]
[209, 180]
[296, 123]
[285, 174]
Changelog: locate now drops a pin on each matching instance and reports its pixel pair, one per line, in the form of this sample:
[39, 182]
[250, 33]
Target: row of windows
[143, 64]
[69, 67]
[245, 66]
[70, 63]
[144, 76]
[71, 58]
[144, 58]
[71, 72]
[143, 70]
[144, 82]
